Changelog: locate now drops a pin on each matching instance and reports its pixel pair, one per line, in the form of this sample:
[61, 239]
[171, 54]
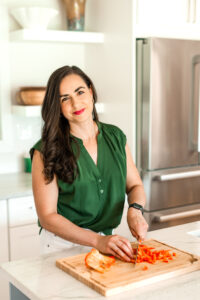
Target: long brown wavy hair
[57, 154]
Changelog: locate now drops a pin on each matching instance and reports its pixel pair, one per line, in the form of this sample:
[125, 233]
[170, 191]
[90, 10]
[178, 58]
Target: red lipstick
[78, 112]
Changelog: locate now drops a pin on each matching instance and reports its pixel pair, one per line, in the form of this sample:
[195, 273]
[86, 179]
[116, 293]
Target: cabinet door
[24, 241]
[4, 254]
[3, 231]
[21, 211]
[163, 12]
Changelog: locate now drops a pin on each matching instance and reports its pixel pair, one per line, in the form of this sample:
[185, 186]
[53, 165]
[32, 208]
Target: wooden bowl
[31, 95]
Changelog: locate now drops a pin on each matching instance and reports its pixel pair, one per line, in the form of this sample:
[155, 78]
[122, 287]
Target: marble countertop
[15, 185]
[38, 277]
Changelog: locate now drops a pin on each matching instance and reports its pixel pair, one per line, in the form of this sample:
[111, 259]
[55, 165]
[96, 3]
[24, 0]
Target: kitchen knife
[136, 253]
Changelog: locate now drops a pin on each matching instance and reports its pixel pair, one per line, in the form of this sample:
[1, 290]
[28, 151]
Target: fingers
[115, 254]
[138, 226]
[116, 245]
[140, 235]
[119, 253]
[122, 248]
[128, 248]
[142, 230]
[134, 233]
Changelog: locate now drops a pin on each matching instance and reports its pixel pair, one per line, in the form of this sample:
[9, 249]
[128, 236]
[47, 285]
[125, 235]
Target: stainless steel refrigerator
[168, 129]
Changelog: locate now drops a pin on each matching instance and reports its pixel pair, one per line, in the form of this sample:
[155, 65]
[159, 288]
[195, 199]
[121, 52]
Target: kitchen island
[38, 278]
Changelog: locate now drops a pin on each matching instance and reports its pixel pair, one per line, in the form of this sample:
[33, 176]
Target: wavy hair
[57, 153]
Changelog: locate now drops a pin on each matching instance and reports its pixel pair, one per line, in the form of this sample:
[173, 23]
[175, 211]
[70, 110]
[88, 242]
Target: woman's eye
[80, 92]
[64, 99]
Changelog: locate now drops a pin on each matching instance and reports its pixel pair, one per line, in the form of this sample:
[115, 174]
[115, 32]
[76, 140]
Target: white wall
[110, 65]
[31, 64]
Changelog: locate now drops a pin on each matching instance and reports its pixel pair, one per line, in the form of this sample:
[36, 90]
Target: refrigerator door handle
[139, 66]
[181, 215]
[175, 176]
[196, 62]
[198, 143]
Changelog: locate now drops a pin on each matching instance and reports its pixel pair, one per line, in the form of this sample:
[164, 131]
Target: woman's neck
[85, 130]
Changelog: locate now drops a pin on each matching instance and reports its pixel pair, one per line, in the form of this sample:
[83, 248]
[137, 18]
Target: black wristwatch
[137, 206]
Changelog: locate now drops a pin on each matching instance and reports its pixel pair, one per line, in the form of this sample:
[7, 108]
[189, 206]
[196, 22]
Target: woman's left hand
[137, 224]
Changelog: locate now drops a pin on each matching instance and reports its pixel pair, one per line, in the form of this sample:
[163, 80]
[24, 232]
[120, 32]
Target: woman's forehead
[71, 82]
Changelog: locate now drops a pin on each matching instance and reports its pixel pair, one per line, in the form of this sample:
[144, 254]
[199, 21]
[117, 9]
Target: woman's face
[76, 99]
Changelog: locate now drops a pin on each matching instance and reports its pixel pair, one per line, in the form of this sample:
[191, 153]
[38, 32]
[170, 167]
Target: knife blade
[136, 253]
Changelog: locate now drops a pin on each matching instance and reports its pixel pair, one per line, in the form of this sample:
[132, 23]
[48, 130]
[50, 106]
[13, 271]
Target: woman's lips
[78, 112]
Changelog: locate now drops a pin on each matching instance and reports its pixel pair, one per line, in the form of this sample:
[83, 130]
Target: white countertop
[15, 185]
[38, 278]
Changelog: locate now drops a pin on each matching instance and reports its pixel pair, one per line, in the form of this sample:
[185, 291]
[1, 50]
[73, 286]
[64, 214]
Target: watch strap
[137, 206]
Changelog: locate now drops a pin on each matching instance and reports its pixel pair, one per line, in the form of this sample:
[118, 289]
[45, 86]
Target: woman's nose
[73, 100]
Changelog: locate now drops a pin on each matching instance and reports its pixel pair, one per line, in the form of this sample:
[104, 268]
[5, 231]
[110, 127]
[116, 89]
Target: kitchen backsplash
[25, 134]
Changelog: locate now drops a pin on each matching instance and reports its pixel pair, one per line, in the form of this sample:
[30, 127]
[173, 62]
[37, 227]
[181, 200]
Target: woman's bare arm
[46, 197]
[135, 191]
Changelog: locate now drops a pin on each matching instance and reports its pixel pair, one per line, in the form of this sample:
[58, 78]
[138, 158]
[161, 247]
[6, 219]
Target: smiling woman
[76, 99]
[61, 113]
[81, 170]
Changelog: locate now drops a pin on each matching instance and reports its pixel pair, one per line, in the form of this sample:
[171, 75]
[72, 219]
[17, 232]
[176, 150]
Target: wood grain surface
[124, 276]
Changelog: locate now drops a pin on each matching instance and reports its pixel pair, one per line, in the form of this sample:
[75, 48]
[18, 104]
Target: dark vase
[75, 10]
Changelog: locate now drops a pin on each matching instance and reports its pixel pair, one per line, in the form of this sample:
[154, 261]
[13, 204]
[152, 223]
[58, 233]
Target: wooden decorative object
[31, 95]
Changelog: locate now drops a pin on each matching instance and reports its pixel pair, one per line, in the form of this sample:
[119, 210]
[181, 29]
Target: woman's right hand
[115, 245]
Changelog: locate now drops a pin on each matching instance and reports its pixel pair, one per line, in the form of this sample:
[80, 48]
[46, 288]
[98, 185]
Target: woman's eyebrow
[76, 90]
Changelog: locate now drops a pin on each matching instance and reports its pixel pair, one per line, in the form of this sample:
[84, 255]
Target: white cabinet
[178, 19]
[21, 211]
[164, 12]
[19, 234]
[4, 254]
[3, 231]
[24, 241]
[23, 228]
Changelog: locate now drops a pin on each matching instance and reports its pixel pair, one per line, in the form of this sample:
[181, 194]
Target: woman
[81, 170]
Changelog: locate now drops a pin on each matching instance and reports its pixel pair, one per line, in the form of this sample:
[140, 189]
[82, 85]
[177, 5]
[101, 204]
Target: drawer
[24, 241]
[21, 211]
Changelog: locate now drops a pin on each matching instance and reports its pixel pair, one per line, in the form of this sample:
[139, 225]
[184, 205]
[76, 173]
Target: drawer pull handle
[181, 215]
[175, 176]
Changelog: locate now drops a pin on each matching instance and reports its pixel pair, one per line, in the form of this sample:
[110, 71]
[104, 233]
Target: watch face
[137, 205]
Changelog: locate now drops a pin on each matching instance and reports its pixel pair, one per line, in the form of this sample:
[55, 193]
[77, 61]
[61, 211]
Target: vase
[75, 10]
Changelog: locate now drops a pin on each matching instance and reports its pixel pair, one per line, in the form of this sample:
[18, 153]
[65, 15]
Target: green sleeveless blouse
[95, 199]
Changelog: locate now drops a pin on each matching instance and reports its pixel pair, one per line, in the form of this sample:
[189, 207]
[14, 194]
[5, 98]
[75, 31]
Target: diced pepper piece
[146, 254]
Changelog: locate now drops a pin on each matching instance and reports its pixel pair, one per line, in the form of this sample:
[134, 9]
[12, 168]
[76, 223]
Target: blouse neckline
[80, 141]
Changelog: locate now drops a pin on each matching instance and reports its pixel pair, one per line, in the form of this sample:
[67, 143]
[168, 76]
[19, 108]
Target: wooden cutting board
[123, 276]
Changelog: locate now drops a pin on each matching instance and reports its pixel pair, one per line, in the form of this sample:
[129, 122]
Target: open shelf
[27, 110]
[35, 110]
[56, 36]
